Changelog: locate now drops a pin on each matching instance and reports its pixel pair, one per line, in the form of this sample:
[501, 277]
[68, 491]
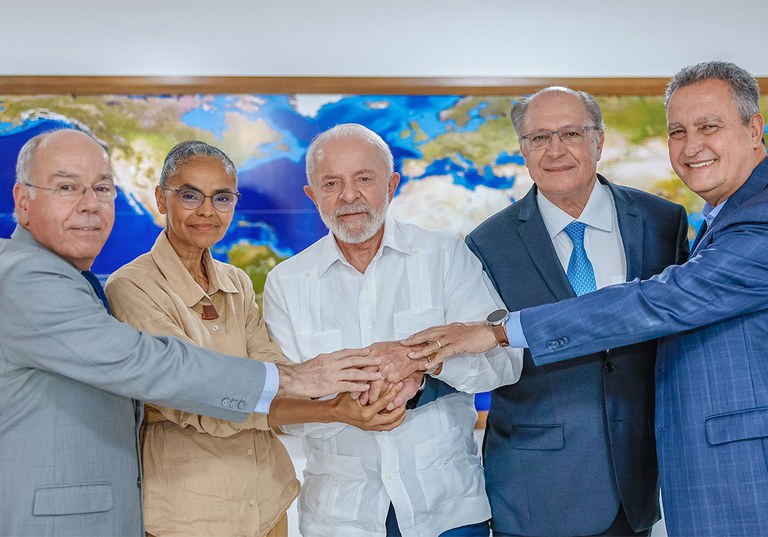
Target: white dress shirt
[429, 468]
[602, 242]
[602, 237]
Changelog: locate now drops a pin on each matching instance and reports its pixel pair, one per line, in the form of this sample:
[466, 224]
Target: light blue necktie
[580, 272]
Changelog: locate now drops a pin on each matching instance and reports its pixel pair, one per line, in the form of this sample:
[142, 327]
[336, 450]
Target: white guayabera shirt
[429, 468]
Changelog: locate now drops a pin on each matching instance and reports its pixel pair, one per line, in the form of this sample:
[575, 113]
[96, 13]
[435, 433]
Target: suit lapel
[631, 227]
[533, 233]
[755, 183]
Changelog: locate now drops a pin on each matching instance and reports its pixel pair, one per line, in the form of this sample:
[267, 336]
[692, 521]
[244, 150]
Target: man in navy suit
[711, 314]
[569, 449]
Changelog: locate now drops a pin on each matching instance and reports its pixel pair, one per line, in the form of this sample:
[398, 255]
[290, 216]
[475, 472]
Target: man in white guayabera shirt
[373, 279]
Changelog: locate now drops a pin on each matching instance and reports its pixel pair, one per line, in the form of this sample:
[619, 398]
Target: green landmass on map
[256, 261]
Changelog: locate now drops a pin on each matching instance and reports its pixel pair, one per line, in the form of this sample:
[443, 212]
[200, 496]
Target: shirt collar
[598, 213]
[393, 239]
[710, 213]
[181, 280]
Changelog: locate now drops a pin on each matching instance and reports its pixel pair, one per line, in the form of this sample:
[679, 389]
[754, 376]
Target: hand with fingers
[441, 342]
[374, 417]
[395, 362]
[347, 370]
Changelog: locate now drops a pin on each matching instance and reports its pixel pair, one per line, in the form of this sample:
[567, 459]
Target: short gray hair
[342, 131]
[27, 154]
[520, 107]
[744, 89]
[190, 149]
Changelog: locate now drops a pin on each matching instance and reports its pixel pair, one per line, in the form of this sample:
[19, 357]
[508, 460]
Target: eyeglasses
[192, 199]
[571, 135]
[75, 191]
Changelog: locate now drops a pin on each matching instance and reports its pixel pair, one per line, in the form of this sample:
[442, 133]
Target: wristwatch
[497, 321]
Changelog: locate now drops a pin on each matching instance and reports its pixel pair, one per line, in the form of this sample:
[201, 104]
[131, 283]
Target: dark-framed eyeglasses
[69, 191]
[189, 198]
[570, 135]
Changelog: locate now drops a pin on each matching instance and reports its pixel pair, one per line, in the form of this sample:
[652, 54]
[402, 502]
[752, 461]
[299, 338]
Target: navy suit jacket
[711, 369]
[568, 442]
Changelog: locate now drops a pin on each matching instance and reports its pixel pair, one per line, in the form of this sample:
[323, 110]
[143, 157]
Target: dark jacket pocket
[548, 437]
[72, 499]
[734, 426]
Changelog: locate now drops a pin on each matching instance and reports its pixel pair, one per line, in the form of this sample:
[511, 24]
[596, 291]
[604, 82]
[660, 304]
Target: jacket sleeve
[726, 280]
[131, 303]
[59, 326]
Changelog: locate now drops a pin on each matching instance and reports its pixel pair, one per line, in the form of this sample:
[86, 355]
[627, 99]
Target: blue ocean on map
[273, 209]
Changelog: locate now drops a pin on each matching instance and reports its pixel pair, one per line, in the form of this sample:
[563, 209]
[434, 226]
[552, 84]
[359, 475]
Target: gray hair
[190, 149]
[520, 107]
[27, 154]
[339, 132]
[744, 89]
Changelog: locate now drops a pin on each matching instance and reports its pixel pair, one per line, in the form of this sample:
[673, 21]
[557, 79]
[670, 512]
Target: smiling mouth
[701, 164]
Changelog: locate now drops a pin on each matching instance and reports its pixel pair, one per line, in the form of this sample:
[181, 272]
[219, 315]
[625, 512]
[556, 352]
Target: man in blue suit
[711, 314]
[569, 449]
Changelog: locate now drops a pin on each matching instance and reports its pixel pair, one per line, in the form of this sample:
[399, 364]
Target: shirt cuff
[271, 385]
[515, 333]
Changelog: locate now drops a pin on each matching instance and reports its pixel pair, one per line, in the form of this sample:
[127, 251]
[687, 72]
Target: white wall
[378, 38]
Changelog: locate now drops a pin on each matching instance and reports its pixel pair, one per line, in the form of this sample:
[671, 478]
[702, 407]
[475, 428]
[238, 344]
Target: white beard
[343, 232]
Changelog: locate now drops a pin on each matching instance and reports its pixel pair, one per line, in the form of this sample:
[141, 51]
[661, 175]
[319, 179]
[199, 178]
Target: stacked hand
[347, 370]
[441, 342]
[395, 367]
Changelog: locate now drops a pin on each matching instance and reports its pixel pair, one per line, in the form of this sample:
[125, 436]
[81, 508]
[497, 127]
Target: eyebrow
[188, 186]
[709, 118]
[68, 175]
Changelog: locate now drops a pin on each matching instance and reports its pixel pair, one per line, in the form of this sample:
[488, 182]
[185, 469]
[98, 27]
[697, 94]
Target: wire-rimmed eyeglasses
[189, 198]
[106, 191]
[570, 135]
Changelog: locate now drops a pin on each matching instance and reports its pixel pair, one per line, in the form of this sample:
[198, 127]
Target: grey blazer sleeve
[52, 321]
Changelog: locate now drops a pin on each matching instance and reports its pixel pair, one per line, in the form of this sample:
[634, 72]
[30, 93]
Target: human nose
[350, 192]
[88, 200]
[206, 207]
[693, 144]
[555, 145]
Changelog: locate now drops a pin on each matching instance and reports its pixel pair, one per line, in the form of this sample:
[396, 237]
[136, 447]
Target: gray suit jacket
[69, 463]
[568, 442]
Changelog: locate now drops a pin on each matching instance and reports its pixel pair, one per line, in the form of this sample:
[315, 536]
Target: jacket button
[241, 405]
[609, 367]
[138, 482]
[225, 401]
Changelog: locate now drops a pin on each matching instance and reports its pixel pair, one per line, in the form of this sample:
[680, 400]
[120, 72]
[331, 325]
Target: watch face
[497, 316]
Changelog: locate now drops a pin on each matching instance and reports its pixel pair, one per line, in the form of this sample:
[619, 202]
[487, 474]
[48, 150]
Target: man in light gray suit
[70, 374]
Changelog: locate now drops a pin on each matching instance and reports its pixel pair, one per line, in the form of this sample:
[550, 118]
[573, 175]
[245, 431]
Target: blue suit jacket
[711, 370]
[569, 441]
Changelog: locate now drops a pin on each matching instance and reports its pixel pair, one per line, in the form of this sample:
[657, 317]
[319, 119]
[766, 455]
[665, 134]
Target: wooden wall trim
[85, 85]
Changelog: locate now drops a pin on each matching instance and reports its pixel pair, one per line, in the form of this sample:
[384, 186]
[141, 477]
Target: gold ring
[439, 345]
[431, 356]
